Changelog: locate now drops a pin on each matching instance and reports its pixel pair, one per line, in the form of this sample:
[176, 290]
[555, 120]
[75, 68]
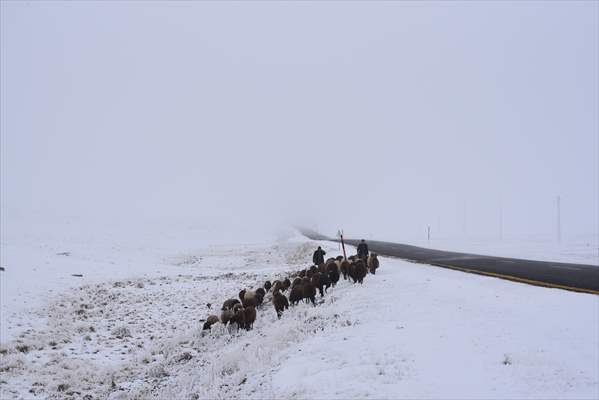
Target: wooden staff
[343, 246]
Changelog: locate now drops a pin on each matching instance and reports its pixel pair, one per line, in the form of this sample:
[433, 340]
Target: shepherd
[362, 250]
[318, 257]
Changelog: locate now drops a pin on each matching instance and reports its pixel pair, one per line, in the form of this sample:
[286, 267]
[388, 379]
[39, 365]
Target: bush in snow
[121, 332]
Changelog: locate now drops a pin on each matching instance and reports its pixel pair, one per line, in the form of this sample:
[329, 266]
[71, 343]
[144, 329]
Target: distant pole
[464, 219]
[343, 246]
[428, 233]
[501, 220]
[559, 220]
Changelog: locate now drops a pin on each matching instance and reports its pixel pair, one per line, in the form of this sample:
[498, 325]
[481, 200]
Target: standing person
[362, 250]
[318, 257]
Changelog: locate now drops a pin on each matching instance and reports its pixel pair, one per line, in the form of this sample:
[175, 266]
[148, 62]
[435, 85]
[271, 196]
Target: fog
[378, 118]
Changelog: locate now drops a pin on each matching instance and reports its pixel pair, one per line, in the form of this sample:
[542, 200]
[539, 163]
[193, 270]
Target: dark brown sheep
[227, 316]
[345, 267]
[248, 298]
[315, 281]
[267, 285]
[296, 281]
[277, 285]
[238, 316]
[313, 269]
[296, 294]
[358, 271]
[322, 282]
[229, 304]
[260, 293]
[280, 302]
[309, 291]
[211, 320]
[373, 263]
[249, 316]
[302, 273]
[322, 268]
[333, 274]
[325, 281]
[286, 284]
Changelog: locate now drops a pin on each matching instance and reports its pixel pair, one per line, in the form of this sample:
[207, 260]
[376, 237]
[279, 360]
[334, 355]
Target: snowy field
[130, 327]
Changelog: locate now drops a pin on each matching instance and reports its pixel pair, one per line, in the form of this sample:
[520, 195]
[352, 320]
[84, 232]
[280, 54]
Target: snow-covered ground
[131, 326]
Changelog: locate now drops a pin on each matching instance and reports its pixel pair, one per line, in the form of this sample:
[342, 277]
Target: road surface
[577, 277]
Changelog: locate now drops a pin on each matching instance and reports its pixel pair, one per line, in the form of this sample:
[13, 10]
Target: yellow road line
[518, 279]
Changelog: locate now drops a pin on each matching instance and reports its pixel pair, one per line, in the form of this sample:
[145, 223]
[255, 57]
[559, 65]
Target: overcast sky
[380, 118]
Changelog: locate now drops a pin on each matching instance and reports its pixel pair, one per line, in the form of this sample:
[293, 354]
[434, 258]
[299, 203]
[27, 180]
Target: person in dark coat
[318, 257]
[362, 250]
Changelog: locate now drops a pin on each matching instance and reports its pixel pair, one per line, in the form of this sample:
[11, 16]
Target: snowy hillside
[131, 328]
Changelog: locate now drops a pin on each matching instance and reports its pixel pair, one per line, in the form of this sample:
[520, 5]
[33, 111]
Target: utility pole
[464, 219]
[559, 220]
[428, 233]
[343, 246]
[501, 220]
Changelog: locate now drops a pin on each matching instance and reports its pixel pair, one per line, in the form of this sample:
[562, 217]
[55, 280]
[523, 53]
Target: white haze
[380, 118]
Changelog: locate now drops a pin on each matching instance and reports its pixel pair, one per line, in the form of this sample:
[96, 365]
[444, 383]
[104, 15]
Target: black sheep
[297, 294]
[286, 284]
[260, 293]
[309, 291]
[229, 304]
[333, 274]
[211, 320]
[280, 302]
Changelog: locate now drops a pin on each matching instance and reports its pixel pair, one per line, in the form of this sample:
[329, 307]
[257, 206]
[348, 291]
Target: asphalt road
[577, 277]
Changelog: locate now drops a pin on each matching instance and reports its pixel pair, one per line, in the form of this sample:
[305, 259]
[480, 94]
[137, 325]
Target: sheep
[280, 302]
[228, 304]
[322, 268]
[296, 294]
[249, 316]
[358, 271]
[333, 274]
[260, 293]
[286, 284]
[211, 320]
[227, 316]
[238, 316]
[267, 285]
[248, 298]
[309, 291]
[296, 281]
[315, 280]
[321, 281]
[373, 263]
[302, 273]
[277, 285]
[325, 280]
[345, 267]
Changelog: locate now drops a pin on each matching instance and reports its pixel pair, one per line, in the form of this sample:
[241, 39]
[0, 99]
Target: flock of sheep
[242, 313]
